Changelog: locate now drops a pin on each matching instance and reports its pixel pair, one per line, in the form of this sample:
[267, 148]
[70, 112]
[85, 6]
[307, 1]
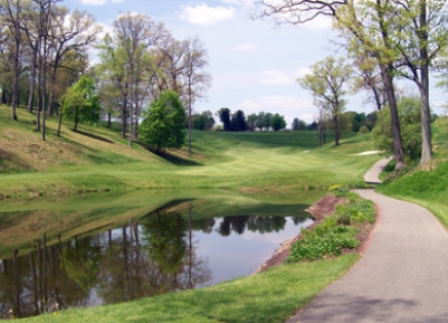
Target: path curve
[373, 175]
[402, 277]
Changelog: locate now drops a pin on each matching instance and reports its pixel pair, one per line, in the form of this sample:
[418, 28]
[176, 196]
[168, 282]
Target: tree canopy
[163, 124]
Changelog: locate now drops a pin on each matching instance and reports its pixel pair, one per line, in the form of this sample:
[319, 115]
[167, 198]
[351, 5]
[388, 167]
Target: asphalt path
[372, 176]
[402, 277]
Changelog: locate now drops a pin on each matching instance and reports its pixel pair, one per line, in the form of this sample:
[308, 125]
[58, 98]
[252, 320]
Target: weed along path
[402, 276]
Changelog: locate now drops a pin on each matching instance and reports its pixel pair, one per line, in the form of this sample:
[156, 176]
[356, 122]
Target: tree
[203, 121]
[224, 116]
[278, 122]
[423, 35]
[326, 83]
[410, 123]
[260, 120]
[13, 18]
[69, 32]
[163, 124]
[266, 121]
[298, 124]
[80, 103]
[366, 26]
[251, 121]
[238, 121]
[196, 79]
[135, 35]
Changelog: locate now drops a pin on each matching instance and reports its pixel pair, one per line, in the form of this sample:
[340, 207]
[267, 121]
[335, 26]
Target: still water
[169, 247]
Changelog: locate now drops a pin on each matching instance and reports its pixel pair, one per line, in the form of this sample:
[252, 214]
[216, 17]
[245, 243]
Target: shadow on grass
[95, 137]
[173, 159]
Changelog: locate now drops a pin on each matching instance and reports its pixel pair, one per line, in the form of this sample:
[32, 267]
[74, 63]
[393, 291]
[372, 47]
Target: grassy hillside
[96, 159]
[426, 185]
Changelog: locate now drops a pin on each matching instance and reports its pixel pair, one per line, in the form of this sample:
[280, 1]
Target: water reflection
[162, 252]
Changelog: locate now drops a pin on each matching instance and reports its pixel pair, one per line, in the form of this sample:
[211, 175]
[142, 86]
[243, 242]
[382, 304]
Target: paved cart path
[402, 277]
[373, 175]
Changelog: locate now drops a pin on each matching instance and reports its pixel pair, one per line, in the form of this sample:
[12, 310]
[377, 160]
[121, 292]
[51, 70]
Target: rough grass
[270, 297]
[95, 158]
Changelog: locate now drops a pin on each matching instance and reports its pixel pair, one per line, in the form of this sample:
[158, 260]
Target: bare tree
[197, 81]
[68, 32]
[13, 19]
[136, 34]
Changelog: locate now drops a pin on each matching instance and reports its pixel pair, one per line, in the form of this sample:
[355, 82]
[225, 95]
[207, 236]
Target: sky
[254, 63]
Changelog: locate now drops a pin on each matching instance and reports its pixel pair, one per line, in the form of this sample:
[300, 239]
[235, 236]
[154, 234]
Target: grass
[269, 297]
[96, 159]
[428, 188]
[425, 185]
[337, 232]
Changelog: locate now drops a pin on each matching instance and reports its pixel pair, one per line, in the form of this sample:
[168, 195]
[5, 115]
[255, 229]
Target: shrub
[364, 129]
[336, 232]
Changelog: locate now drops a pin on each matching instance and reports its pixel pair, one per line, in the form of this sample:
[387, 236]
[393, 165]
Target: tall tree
[224, 116]
[69, 32]
[326, 84]
[422, 34]
[136, 33]
[13, 19]
[238, 121]
[197, 81]
[366, 25]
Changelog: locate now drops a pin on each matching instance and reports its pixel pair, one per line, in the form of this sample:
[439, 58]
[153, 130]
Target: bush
[336, 232]
[410, 124]
[163, 122]
[364, 129]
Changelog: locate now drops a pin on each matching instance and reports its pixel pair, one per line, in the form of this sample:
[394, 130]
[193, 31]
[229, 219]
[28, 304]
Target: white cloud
[246, 47]
[93, 2]
[204, 15]
[240, 3]
[302, 71]
[275, 77]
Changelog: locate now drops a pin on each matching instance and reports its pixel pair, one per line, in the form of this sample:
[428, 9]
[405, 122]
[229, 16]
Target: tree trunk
[424, 88]
[15, 85]
[109, 120]
[59, 124]
[336, 130]
[189, 119]
[396, 131]
[33, 83]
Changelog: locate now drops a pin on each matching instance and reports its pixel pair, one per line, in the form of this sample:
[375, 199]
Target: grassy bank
[425, 185]
[269, 297]
[428, 188]
[96, 159]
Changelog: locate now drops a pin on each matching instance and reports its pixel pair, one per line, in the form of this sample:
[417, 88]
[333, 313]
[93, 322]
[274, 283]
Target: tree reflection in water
[154, 256]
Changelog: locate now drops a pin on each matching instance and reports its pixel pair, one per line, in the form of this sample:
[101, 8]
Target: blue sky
[254, 63]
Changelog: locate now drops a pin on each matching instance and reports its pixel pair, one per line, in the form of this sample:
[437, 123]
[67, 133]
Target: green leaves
[80, 103]
[163, 126]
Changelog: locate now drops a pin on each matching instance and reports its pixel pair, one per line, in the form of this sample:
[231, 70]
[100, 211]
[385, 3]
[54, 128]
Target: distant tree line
[238, 121]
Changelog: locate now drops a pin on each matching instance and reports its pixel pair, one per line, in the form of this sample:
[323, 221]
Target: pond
[97, 250]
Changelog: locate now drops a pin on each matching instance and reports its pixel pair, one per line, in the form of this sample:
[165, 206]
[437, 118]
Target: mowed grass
[97, 159]
[269, 297]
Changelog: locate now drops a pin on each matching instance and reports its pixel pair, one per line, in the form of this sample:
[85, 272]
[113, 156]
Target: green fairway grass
[97, 159]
